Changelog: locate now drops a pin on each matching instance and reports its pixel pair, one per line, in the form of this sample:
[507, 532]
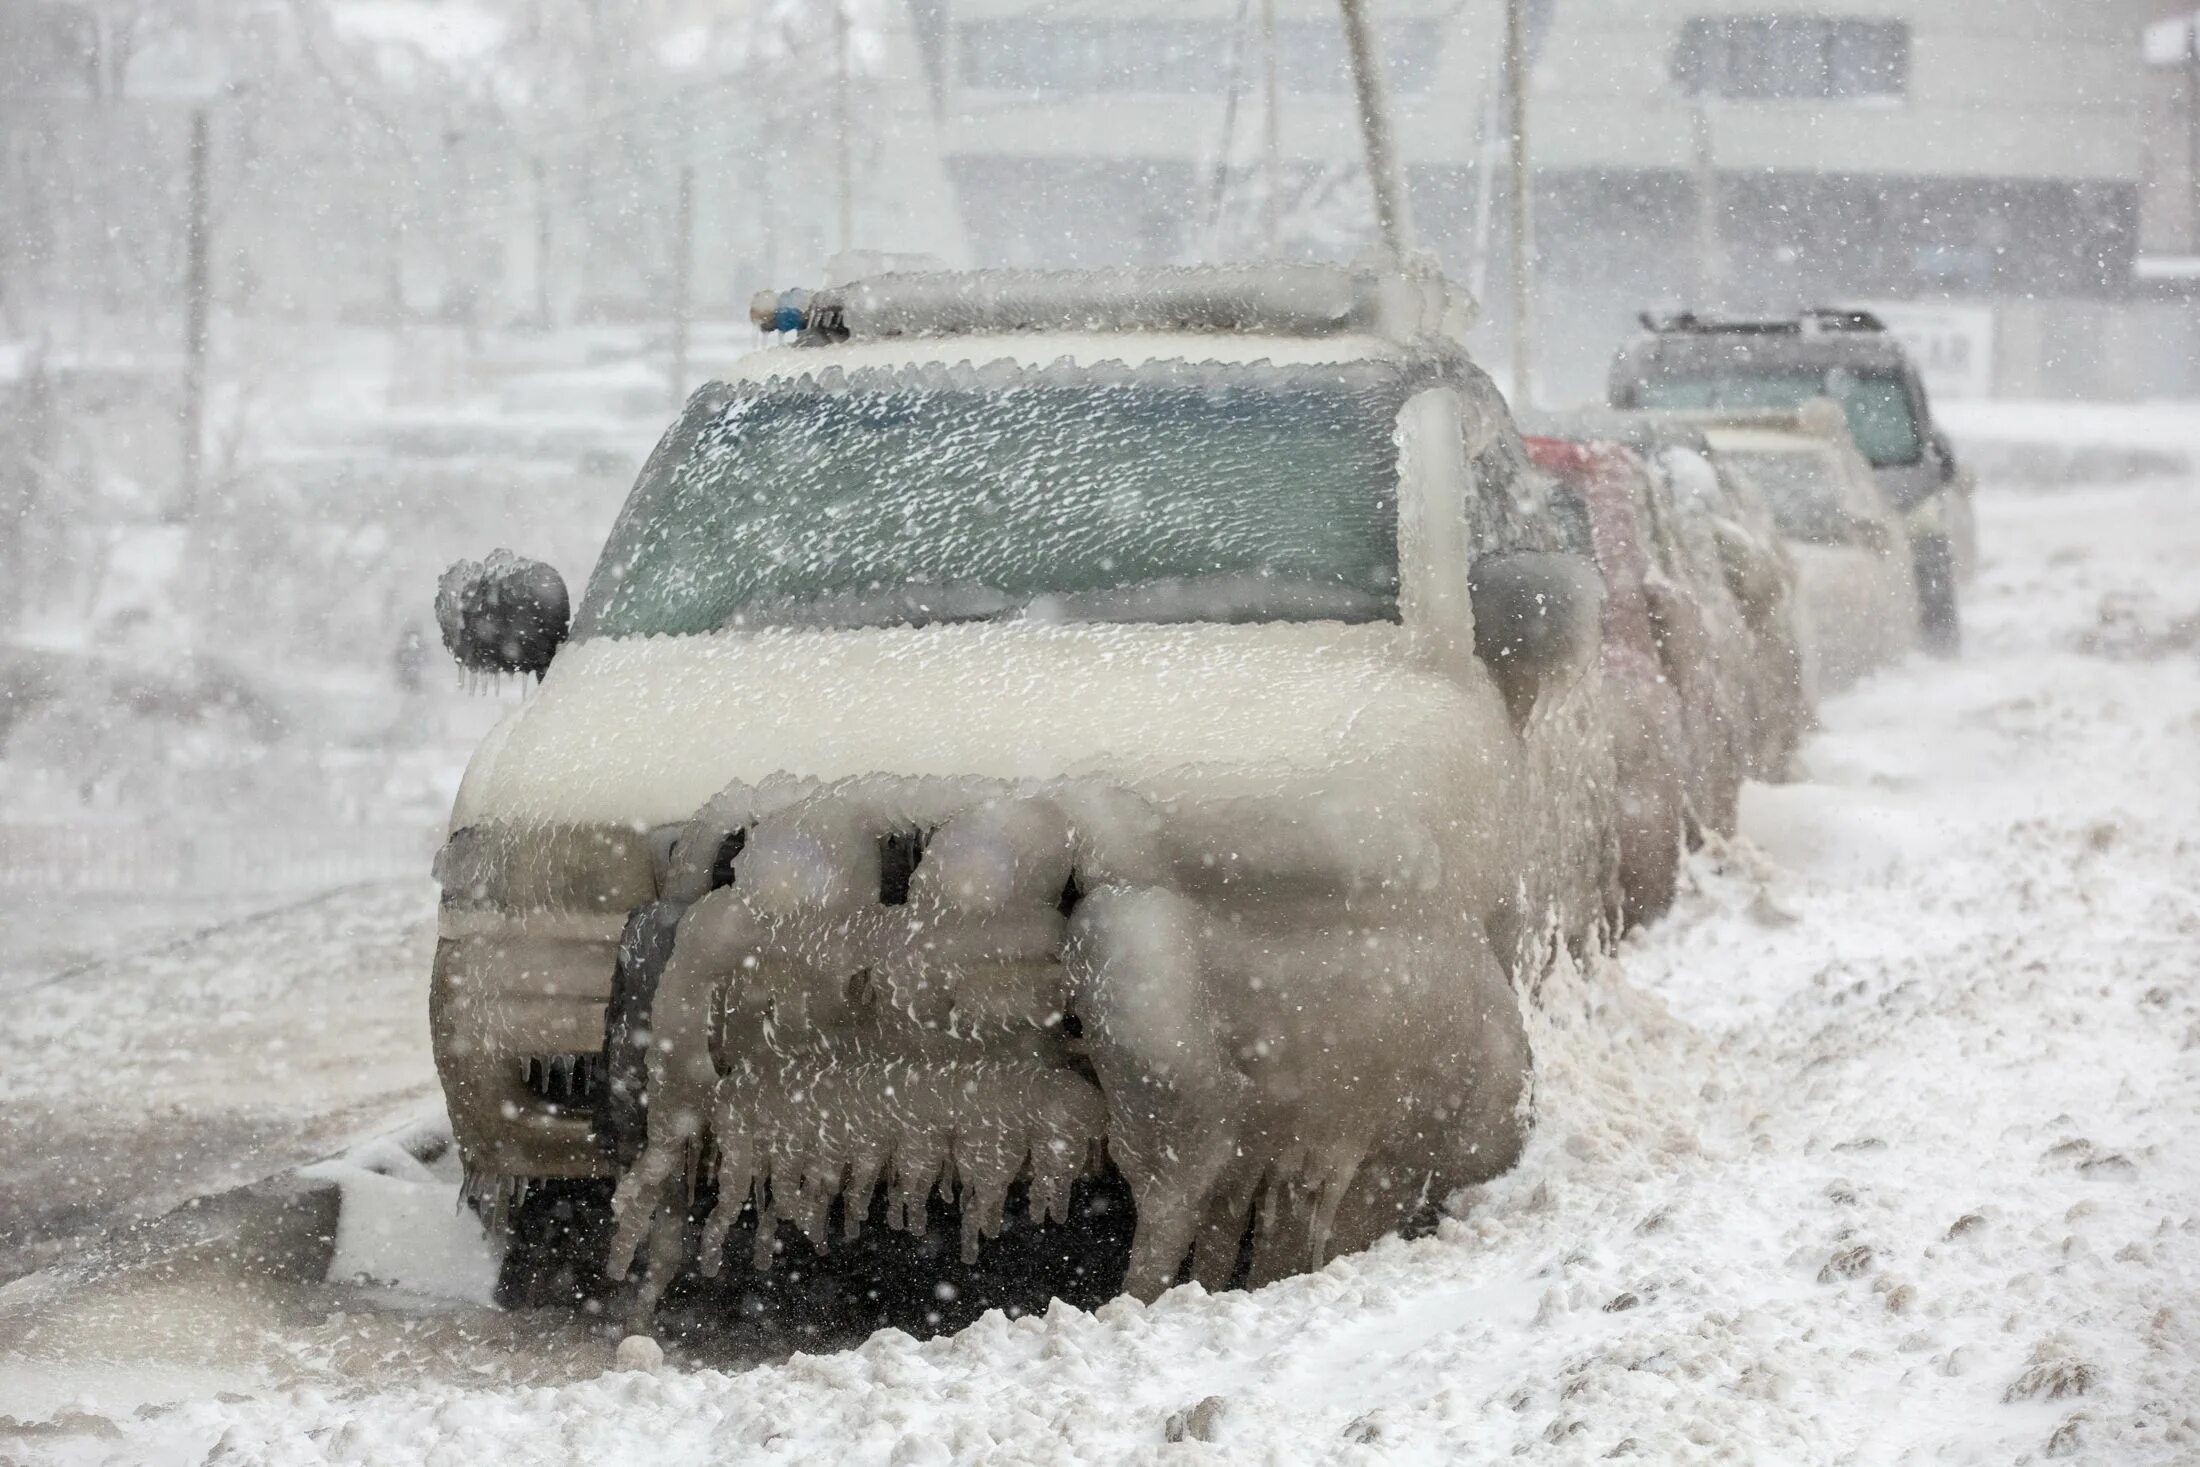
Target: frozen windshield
[897, 499]
[1803, 492]
[1877, 404]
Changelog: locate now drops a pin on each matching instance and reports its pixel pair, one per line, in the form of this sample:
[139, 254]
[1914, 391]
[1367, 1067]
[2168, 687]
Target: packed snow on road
[1876, 1149]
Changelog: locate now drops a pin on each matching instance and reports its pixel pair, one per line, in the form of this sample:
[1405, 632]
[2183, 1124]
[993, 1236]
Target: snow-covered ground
[1878, 1150]
[131, 1084]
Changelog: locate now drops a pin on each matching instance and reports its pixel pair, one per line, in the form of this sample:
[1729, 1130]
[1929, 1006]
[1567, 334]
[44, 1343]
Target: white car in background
[1858, 588]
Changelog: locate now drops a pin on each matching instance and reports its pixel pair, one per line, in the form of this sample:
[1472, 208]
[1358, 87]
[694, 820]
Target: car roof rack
[1812, 321]
[1274, 300]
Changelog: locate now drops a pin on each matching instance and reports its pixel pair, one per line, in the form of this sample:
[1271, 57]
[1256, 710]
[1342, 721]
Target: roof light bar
[1279, 300]
[782, 310]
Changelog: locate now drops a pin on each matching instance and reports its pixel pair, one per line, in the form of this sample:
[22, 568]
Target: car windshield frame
[902, 466]
[1867, 397]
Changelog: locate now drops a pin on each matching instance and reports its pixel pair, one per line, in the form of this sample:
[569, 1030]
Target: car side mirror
[1942, 453]
[503, 614]
[1753, 571]
[1537, 622]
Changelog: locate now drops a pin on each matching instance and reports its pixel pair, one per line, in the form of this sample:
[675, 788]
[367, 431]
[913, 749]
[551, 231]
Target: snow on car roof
[1041, 349]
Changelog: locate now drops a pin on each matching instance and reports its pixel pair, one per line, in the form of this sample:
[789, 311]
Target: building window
[1184, 56]
[1793, 58]
[50, 48]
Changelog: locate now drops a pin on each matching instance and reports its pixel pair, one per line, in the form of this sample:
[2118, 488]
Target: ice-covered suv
[1695, 362]
[1025, 726]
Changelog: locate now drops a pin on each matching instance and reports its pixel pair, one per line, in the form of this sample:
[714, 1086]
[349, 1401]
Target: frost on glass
[913, 497]
[1803, 490]
[1877, 405]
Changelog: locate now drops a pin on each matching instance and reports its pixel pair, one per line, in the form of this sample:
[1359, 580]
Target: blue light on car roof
[786, 310]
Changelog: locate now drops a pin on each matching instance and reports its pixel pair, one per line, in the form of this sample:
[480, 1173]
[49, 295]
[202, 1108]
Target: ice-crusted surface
[647, 729]
[1289, 1025]
[1301, 299]
[994, 487]
[1027, 350]
[1856, 592]
[1288, 300]
[1651, 651]
[1878, 1150]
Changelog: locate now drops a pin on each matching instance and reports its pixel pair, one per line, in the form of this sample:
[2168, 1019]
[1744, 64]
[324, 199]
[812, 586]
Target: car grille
[567, 1081]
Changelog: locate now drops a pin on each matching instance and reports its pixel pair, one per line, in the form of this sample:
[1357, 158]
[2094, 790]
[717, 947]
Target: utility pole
[2192, 126]
[843, 146]
[1710, 266]
[1523, 197]
[761, 166]
[1382, 158]
[539, 177]
[26, 433]
[592, 107]
[2175, 42]
[1271, 144]
[195, 303]
[683, 281]
[1486, 152]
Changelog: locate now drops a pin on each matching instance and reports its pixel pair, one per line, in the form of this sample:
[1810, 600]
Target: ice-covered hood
[644, 730]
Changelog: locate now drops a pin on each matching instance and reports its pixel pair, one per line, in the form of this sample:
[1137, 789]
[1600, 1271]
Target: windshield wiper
[914, 605]
[1223, 599]
[1215, 600]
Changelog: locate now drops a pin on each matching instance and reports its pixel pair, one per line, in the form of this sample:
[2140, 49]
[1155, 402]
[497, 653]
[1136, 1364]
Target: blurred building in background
[1987, 159]
[2011, 179]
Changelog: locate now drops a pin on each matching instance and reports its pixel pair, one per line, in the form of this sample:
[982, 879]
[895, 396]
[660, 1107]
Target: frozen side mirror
[1941, 453]
[1537, 622]
[1753, 571]
[503, 614]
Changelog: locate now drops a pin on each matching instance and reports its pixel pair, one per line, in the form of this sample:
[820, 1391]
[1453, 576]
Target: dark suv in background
[1695, 362]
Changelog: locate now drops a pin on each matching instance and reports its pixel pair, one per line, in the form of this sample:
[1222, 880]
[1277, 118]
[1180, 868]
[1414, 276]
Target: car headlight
[557, 868]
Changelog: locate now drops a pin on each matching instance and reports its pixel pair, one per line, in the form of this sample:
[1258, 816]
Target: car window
[1880, 418]
[1517, 506]
[1804, 490]
[1738, 389]
[1876, 404]
[914, 496]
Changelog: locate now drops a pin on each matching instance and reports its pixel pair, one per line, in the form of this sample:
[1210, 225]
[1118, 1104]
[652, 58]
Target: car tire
[622, 1099]
[554, 1247]
[1936, 595]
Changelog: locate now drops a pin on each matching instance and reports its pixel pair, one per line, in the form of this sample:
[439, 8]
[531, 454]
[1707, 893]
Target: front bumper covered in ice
[896, 989]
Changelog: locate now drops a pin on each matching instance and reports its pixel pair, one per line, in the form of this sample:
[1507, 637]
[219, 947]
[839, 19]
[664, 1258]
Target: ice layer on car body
[1292, 890]
[1237, 1024]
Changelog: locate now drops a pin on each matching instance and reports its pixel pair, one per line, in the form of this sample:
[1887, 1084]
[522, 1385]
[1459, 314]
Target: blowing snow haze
[1029, 730]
